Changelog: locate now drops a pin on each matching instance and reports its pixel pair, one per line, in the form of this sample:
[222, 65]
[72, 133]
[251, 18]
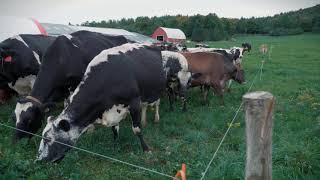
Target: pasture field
[292, 75]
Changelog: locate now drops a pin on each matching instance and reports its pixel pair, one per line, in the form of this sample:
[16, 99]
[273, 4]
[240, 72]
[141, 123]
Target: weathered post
[259, 123]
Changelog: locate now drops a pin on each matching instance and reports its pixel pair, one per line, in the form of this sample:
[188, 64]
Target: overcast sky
[78, 11]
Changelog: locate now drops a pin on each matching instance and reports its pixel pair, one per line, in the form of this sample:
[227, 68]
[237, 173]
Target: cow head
[58, 137]
[17, 58]
[237, 53]
[28, 116]
[184, 81]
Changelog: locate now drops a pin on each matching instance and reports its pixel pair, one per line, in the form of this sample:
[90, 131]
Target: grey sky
[78, 11]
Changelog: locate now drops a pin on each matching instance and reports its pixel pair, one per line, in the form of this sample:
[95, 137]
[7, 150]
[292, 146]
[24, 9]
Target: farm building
[169, 35]
[17, 26]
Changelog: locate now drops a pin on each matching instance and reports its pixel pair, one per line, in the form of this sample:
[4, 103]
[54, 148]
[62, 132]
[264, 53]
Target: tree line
[213, 28]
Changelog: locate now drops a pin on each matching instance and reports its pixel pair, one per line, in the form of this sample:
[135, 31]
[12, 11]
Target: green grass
[292, 75]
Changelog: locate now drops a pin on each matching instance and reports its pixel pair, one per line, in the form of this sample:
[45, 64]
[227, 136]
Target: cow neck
[87, 111]
[42, 88]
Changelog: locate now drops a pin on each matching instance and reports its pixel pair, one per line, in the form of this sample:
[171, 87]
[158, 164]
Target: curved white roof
[174, 33]
[58, 29]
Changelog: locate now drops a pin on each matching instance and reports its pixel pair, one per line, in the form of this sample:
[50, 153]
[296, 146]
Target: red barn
[169, 35]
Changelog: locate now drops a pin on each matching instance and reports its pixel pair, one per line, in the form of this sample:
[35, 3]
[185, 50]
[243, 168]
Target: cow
[121, 79]
[63, 66]
[21, 58]
[178, 76]
[215, 70]
[178, 79]
[246, 46]
[235, 53]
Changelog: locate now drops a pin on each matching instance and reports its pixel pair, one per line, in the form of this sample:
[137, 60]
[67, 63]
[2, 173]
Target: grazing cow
[121, 79]
[63, 66]
[21, 58]
[246, 46]
[215, 70]
[178, 76]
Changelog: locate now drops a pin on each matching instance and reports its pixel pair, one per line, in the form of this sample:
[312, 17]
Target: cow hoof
[148, 151]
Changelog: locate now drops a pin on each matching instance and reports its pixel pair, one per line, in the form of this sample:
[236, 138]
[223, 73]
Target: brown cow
[215, 70]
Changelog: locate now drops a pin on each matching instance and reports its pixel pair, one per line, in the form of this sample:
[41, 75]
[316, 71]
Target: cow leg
[171, 99]
[135, 112]
[229, 85]
[205, 94]
[218, 89]
[156, 115]
[184, 104]
[115, 130]
[144, 114]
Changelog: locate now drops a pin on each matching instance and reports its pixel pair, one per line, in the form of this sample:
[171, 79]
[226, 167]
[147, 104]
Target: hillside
[213, 28]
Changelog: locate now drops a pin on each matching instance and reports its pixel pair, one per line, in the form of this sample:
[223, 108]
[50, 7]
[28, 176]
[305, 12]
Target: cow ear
[195, 75]
[64, 125]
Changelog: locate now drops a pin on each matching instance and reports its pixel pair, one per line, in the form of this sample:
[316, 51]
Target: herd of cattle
[101, 79]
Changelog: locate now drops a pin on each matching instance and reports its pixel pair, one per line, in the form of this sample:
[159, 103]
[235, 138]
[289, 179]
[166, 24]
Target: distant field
[292, 75]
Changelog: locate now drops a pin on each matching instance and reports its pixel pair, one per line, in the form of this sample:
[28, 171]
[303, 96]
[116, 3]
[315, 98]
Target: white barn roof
[174, 33]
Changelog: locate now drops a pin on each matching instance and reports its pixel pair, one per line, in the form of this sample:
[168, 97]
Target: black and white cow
[178, 76]
[116, 83]
[63, 66]
[21, 58]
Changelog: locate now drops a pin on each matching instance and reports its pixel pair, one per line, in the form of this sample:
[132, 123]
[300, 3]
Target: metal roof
[59, 29]
[12, 26]
[174, 33]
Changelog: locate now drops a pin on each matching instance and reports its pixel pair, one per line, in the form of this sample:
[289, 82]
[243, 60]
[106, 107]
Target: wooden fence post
[259, 124]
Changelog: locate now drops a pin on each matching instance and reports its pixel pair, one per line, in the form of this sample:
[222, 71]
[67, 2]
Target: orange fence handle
[182, 173]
